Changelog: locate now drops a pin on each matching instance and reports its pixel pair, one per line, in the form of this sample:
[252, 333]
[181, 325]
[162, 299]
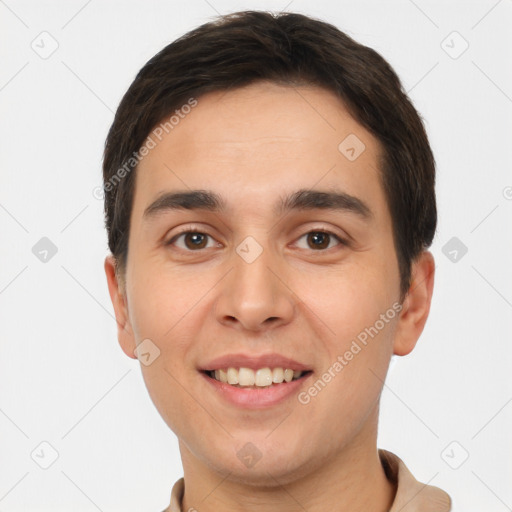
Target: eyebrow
[303, 199]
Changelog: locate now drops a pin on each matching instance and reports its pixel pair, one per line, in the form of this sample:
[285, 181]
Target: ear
[416, 305]
[118, 297]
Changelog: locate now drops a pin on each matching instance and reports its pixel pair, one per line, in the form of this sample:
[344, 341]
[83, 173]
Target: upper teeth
[262, 377]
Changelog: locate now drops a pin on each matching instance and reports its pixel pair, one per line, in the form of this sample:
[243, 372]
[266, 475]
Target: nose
[254, 296]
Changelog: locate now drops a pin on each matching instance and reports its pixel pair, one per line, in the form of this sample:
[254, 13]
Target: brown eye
[318, 240]
[321, 240]
[195, 240]
[191, 240]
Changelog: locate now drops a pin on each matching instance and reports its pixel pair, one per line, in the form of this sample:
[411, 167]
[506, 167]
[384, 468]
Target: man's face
[251, 280]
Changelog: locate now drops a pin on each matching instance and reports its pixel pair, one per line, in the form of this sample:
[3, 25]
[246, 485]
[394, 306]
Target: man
[269, 200]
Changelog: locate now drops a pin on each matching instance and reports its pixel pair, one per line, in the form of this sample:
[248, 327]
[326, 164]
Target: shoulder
[176, 496]
[411, 495]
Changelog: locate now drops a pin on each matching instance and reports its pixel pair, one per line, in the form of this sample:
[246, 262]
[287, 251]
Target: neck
[351, 480]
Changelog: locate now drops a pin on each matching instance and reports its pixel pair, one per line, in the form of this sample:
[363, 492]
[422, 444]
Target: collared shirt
[411, 495]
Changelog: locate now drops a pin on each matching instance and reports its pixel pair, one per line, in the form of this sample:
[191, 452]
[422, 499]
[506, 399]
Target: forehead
[261, 139]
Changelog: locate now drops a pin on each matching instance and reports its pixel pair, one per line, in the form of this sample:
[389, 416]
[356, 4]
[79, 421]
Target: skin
[252, 146]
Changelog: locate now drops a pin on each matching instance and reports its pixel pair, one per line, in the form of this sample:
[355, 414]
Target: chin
[270, 466]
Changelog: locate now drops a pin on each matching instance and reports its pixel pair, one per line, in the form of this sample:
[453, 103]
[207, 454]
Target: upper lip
[254, 362]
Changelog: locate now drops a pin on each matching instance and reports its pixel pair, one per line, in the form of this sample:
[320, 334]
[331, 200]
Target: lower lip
[254, 398]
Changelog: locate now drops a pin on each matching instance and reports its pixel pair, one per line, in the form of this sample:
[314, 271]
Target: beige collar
[411, 495]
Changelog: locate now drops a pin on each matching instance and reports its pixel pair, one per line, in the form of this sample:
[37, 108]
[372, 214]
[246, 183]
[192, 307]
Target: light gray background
[64, 379]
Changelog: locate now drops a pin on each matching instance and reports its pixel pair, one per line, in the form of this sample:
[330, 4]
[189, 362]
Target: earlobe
[416, 306]
[118, 297]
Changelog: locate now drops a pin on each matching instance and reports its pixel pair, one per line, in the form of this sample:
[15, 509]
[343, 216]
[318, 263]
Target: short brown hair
[289, 49]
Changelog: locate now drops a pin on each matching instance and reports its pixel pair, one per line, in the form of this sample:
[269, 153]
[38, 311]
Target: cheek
[359, 307]
[347, 389]
[161, 310]
[157, 303]
[351, 300]
[165, 308]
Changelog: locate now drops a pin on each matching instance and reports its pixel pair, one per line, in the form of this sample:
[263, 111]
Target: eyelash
[191, 230]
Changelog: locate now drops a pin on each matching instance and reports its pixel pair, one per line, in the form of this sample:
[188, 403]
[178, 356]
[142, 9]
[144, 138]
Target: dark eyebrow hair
[300, 200]
[189, 200]
[330, 200]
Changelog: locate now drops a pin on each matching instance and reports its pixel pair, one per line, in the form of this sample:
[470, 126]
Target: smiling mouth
[262, 378]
